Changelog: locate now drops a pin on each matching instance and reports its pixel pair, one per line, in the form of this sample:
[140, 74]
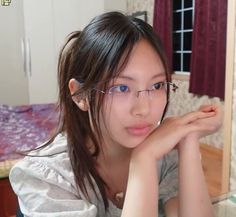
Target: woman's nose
[141, 104]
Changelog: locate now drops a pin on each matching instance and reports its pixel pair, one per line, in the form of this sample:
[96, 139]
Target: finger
[200, 128]
[193, 116]
[207, 108]
[217, 109]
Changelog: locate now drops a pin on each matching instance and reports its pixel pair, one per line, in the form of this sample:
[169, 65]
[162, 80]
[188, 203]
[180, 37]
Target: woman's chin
[134, 141]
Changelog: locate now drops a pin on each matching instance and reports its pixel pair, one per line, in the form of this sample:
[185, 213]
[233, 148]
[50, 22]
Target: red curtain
[162, 24]
[209, 48]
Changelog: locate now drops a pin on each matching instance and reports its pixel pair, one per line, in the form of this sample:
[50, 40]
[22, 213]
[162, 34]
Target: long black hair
[94, 57]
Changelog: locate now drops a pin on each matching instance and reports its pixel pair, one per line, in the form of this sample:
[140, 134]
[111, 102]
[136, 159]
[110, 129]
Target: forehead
[144, 62]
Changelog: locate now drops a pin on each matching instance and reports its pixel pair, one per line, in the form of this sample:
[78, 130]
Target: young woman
[113, 153]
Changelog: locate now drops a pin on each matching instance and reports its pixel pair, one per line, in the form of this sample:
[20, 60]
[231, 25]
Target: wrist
[190, 140]
[148, 151]
[142, 157]
[189, 144]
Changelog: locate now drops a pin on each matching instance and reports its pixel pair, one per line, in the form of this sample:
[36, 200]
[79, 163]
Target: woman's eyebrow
[125, 77]
[159, 75]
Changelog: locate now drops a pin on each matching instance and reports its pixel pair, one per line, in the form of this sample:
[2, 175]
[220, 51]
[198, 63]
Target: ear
[82, 104]
[74, 86]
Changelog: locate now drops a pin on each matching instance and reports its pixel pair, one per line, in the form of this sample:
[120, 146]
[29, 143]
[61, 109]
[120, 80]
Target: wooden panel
[8, 204]
[230, 49]
[212, 167]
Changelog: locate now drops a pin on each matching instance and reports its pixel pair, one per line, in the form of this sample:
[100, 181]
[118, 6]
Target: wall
[111, 5]
[182, 102]
[141, 5]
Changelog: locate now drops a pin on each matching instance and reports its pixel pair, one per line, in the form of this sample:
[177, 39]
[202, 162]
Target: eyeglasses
[124, 91]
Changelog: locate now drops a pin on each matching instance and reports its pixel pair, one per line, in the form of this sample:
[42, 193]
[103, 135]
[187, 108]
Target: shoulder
[45, 184]
[50, 164]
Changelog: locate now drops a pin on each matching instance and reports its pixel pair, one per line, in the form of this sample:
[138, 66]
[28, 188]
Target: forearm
[171, 207]
[141, 198]
[194, 200]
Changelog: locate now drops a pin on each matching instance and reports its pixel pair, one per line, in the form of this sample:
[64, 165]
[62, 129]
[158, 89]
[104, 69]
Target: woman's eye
[119, 89]
[158, 86]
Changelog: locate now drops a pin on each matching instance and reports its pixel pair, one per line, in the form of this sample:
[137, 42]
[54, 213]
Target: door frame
[228, 107]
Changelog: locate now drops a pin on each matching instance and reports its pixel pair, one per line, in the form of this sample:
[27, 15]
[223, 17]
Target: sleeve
[168, 182]
[43, 192]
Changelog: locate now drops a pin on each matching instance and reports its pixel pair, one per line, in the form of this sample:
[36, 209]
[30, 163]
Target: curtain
[209, 48]
[162, 25]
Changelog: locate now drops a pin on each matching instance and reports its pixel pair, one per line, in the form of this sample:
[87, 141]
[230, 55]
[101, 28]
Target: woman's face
[127, 116]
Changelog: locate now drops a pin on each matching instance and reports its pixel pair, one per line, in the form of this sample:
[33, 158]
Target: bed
[23, 128]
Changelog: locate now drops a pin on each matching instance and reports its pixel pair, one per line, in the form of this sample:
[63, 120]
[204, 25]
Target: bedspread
[24, 127]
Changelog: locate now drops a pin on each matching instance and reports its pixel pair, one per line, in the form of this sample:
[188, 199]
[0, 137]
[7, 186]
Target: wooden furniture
[8, 204]
[212, 167]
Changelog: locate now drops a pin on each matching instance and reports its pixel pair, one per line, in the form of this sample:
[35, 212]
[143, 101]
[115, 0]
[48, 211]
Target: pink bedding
[24, 127]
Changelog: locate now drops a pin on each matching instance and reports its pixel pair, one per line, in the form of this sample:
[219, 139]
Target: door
[39, 39]
[47, 23]
[13, 80]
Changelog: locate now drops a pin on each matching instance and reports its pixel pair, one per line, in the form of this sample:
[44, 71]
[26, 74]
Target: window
[183, 14]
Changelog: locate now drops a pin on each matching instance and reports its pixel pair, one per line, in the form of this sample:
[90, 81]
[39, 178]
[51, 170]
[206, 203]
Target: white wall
[73, 18]
[115, 5]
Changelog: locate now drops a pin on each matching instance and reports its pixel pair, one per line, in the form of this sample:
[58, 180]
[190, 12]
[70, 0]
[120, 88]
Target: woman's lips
[139, 130]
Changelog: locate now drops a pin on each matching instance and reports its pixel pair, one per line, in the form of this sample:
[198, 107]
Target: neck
[115, 155]
[113, 166]
[111, 153]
